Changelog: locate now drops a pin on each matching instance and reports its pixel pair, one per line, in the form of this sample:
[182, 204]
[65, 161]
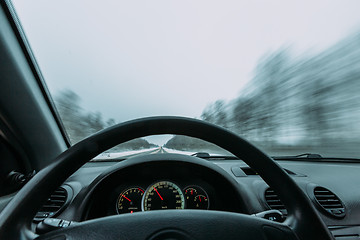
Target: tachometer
[129, 200]
[163, 195]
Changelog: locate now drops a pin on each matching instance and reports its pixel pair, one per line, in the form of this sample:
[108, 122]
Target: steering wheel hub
[170, 234]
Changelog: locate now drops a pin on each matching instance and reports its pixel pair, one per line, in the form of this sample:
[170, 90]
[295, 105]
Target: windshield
[283, 74]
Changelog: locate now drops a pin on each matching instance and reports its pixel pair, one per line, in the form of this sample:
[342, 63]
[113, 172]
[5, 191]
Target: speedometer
[163, 195]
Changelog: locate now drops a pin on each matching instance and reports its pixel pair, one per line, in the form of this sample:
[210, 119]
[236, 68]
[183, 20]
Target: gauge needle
[158, 194]
[126, 198]
[199, 198]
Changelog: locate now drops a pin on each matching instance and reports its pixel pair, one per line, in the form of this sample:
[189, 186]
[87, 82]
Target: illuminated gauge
[201, 202]
[196, 198]
[163, 195]
[129, 201]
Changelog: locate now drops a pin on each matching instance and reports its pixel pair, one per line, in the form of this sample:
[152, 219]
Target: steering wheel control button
[272, 215]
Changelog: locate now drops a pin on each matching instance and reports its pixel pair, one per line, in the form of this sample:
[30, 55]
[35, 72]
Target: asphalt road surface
[127, 154]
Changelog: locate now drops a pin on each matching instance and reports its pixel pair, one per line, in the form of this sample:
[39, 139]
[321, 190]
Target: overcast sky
[129, 59]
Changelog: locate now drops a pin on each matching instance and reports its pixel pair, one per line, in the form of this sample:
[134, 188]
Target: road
[133, 153]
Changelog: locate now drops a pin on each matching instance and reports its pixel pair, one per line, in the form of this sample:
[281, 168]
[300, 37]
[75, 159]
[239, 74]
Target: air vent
[274, 201]
[329, 202]
[53, 205]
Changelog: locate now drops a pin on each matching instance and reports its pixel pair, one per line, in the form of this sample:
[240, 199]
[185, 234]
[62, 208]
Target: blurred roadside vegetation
[291, 105]
[185, 143]
[307, 103]
[80, 124]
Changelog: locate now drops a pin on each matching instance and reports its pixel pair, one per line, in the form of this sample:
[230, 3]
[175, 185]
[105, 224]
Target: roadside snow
[129, 153]
[169, 150]
[106, 155]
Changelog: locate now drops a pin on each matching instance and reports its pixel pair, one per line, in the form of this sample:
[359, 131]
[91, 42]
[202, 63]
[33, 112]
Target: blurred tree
[269, 81]
[80, 124]
[243, 115]
[216, 113]
[70, 112]
[313, 100]
[94, 122]
[110, 122]
[186, 143]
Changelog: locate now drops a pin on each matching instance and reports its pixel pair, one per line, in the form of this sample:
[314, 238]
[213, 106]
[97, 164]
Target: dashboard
[100, 189]
[160, 185]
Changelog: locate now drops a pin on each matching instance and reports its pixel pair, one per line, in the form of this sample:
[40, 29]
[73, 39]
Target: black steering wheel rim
[15, 219]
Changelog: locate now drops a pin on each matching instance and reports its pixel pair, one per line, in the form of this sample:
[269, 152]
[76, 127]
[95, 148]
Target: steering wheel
[303, 222]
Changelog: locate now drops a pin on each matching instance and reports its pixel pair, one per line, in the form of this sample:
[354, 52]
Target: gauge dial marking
[201, 202]
[196, 198]
[129, 201]
[163, 195]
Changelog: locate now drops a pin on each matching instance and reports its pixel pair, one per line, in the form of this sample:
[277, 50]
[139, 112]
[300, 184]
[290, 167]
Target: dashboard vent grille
[249, 171]
[274, 201]
[53, 205]
[329, 202]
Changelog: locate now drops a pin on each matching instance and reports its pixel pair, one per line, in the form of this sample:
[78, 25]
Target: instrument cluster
[161, 195]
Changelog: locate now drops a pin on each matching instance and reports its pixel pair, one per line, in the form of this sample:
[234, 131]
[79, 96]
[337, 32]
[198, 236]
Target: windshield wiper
[201, 154]
[314, 157]
[300, 156]
[205, 155]
[309, 157]
[119, 159]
